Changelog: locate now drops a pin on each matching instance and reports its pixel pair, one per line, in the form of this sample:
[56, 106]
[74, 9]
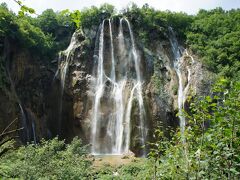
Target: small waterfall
[32, 127]
[177, 52]
[25, 133]
[128, 118]
[24, 122]
[63, 66]
[192, 59]
[34, 132]
[62, 71]
[115, 90]
[189, 75]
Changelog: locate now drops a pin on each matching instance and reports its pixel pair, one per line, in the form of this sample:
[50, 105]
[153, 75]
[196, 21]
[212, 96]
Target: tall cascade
[179, 53]
[117, 88]
[62, 72]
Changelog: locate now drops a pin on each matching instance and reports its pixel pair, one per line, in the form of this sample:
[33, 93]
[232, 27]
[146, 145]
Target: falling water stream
[25, 134]
[182, 90]
[115, 92]
[62, 72]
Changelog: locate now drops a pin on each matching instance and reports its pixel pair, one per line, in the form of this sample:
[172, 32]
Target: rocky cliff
[159, 89]
[62, 104]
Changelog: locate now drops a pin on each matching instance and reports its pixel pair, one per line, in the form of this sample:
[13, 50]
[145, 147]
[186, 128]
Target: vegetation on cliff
[213, 34]
[209, 148]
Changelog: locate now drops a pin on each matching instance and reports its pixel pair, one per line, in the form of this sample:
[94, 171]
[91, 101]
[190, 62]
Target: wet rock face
[68, 111]
[160, 88]
[24, 97]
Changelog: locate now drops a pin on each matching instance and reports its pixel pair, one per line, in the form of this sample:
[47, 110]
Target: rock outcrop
[51, 108]
[160, 88]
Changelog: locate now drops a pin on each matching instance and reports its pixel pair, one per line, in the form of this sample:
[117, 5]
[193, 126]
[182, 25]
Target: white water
[182, 90]
[142, 113]
[24, 121]
[62, 71]
[34, 132]
[115, 91]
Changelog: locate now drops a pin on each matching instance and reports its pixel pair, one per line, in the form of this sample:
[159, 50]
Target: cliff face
[62, 104]
[24, 95]
[159, 89]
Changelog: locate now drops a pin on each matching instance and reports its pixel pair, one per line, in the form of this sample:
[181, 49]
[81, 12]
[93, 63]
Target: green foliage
[51, 159]
[7, 22]
[72, 17]
[59, 26]
[151, 24]
[214, 35]
[43, 36]
[209, 148]
[32, 37]
[24, 9]
[75, 15]
[48, 21]
[94, 16]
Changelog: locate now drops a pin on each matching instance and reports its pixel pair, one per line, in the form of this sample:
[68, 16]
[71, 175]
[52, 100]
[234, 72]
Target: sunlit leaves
[51, 159]
[214, 35]
[24, 9]
[211, 149]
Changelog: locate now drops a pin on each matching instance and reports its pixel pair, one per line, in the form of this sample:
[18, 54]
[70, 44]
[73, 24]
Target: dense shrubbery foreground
[50, 159]
[209, 149]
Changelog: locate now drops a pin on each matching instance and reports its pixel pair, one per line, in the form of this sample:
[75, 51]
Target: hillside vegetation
[210, 147]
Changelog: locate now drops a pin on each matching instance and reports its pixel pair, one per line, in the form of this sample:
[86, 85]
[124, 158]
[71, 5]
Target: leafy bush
[51, 159]
[209, 148]
[94, 16]
[150, 24]
[214, 35]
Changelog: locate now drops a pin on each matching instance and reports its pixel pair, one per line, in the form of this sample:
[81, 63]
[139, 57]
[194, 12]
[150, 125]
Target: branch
[12, 131]
[9, 125]
[25, 8]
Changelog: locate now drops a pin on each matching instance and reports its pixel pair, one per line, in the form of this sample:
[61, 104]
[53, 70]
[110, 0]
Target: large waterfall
[117, 90]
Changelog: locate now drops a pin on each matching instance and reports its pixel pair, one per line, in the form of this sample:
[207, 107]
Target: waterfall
[25, 133]
[182, 90]
[115, 91]
[189, 75]
[112, 51]
[128, 118]
[142, 114]
[63, 65]
[192, 59]
[34, 132]
[177, 52]
[24, 122]
[98, 93]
